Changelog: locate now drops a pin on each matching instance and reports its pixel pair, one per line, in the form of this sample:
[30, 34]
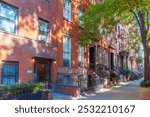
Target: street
[125, 91]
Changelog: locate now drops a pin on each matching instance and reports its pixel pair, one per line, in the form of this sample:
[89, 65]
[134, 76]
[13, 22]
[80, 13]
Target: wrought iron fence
[20, 94]
[45, 93]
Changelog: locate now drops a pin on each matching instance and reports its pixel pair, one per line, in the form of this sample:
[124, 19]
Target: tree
[109, 13]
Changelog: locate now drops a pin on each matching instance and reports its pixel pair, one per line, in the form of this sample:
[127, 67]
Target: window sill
[68, 20]
[22, 37]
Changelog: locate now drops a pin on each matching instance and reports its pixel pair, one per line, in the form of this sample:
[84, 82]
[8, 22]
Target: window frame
[80, 23]
[12, 63]
[68, 11]
[106, 60]
[68, 82]
[15, 22]
[81, 54]
[47, 32]
[67, 52]
[100, 56]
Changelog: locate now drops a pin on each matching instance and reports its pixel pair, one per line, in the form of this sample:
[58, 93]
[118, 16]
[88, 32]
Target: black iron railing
[20, 94]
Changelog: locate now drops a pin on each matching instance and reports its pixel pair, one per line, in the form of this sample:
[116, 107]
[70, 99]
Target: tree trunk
[146, 64]
[149, 63]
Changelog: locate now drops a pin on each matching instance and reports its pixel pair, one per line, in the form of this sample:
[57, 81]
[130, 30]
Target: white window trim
[16, 22]
[47, 32]
[69, 11]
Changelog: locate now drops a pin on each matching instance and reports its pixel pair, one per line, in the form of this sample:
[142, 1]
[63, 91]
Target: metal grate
[10, 73]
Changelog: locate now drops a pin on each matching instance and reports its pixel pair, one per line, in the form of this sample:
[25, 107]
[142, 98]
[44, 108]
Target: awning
[43, 58]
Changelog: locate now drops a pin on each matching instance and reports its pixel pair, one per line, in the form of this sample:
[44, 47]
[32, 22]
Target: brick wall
[23, 45]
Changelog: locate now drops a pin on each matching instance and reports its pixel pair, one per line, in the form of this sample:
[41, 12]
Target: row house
[28, 41]
[39, 42]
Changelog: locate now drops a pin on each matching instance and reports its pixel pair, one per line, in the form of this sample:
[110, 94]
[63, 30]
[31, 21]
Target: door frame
[46, 62]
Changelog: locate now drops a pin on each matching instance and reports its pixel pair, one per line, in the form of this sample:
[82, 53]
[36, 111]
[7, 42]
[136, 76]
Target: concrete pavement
[125, 91]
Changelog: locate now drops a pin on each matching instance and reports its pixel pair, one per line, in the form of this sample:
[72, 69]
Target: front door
[112, 61]
[92, 58]
[43, 72]
[90, 82]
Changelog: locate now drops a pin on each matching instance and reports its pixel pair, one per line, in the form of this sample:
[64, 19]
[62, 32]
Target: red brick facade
[24, 46]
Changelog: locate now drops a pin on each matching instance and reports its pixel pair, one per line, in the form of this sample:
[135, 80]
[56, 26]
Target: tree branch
[138, 21]
[148, 25]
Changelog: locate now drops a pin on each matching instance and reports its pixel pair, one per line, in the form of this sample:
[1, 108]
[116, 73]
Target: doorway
[43, 71]
[92, 57]
[90, 82]
[112, 61]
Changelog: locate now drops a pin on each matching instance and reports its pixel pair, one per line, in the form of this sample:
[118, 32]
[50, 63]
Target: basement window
[10, 73]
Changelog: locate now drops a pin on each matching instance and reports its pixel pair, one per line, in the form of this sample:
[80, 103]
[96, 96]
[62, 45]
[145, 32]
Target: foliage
[109, 13]
[125, 68]
[138, 60]
[25, 88]
[129, 73]
[145, 84]
[134, 15]
[2, 87]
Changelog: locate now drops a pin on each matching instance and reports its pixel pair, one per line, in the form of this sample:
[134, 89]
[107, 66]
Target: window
[82, 82]
[100, 31]
[8, 18]
[67, 80]
[106, 58]
[111, 39]
[106, 34]
[80, 56]
[10, 72]
[80, 14]
[99, 56]
[67, 9]
[66, 51]
[43, 30]
[118, 30]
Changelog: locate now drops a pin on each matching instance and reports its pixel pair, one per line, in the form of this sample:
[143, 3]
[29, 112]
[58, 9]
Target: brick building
[28, 47]
[39, 43]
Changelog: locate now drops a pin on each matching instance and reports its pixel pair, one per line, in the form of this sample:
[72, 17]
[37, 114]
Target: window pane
[106, 57]
[9, 73]
[99, 56]
[100, 31]
[67, 80]
[66, 51]
[42, 36]
[7, 25]
[66, 44]
[80, 14]
[67, 9]
[66, 59]
[43, 30]
[8, 12]
[43, 26]
[80, 56]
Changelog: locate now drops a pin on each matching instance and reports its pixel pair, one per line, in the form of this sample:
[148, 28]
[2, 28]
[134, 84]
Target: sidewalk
[125, 91]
